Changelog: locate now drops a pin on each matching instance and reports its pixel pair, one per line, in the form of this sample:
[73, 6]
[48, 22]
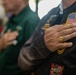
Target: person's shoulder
[47, 16]
[32, 15]
[32, 19]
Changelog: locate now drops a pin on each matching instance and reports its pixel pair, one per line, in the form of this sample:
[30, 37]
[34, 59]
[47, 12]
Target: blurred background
[43, 6]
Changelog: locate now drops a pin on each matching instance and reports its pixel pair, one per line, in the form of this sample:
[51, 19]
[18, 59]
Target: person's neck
[67, 3]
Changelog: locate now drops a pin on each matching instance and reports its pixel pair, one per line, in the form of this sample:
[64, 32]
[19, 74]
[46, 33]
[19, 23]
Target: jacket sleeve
[34, 50]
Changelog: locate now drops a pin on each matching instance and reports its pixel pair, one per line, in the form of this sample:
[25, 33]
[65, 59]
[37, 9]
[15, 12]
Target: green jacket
[25, 23]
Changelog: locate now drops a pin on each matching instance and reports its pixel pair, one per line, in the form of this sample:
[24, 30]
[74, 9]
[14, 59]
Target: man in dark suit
[52, 48]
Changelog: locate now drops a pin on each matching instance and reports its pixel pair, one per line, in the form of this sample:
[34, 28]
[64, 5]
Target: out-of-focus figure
[2, 17]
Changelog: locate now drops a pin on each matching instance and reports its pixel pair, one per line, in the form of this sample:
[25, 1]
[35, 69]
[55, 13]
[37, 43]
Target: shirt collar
[18, 18]
[61, 8]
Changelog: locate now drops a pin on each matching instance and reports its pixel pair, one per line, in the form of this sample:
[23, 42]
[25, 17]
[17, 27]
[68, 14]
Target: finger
[15, 33]
[61, 27]
[11, 38]
[67, 31]
[68, 37]
[14, 42]
[64, 45]
[66, 26]
[9, 30]
[10, 43]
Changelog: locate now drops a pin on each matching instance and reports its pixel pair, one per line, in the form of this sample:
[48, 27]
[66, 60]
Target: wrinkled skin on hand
[52, 34]
[7, 39]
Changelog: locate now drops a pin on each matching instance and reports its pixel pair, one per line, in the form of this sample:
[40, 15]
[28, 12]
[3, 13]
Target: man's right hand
[7, 39]
[52, 36]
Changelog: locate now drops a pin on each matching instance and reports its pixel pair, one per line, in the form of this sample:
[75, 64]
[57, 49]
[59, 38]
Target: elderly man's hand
[7, 39]
[56, 36]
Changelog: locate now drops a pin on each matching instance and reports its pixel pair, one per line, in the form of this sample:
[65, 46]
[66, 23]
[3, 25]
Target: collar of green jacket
[18, 18]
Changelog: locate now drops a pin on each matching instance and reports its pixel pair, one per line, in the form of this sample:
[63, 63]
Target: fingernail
[70, 44]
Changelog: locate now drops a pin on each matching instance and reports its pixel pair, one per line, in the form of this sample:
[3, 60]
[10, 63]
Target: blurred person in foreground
[7, 38]
[2, 16]
[52, 48]
[23, 21]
